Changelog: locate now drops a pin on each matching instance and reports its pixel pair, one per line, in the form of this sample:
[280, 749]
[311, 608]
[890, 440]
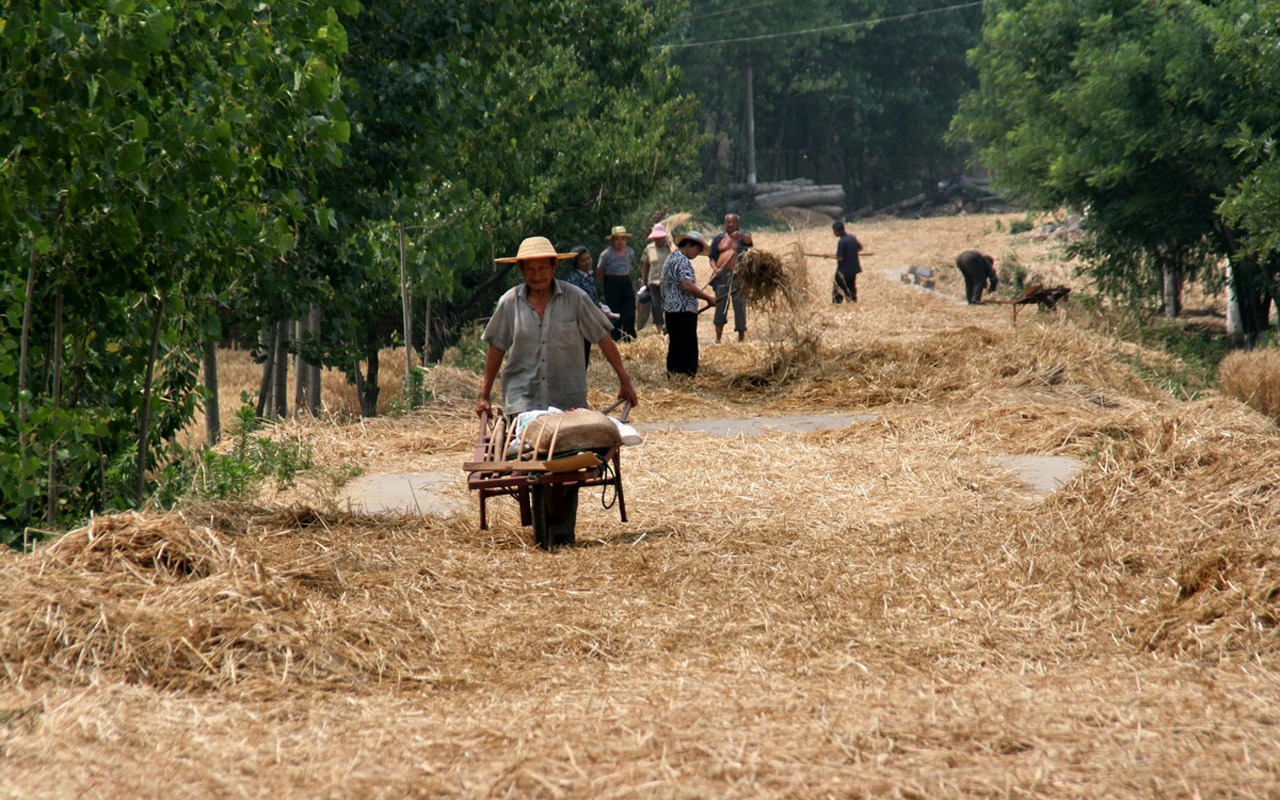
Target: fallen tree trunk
[903, 205]
[804, 197]
[769, 187]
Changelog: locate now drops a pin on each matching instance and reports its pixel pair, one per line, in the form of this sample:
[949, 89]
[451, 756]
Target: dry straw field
[877, 609]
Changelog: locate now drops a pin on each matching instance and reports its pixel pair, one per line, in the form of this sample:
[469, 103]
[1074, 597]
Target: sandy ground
[879, 608]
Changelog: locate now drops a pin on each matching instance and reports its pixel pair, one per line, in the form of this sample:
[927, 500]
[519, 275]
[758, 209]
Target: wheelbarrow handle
[619, 402]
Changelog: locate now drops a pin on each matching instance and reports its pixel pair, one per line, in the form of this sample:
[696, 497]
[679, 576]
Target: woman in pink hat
[655, 255]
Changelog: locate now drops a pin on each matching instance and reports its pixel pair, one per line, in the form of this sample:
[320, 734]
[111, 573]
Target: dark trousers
[844, 283]
[682, 343]
[727, 295]
[973, 286]
[620, 297]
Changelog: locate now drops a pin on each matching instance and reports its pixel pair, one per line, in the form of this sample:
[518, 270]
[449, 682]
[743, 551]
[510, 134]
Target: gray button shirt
[545, 363]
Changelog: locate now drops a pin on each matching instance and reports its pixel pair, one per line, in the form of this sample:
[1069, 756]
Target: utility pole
[751, 128]
[406, 305]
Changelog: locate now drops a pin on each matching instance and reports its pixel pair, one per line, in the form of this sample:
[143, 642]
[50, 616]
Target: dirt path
[833, 583]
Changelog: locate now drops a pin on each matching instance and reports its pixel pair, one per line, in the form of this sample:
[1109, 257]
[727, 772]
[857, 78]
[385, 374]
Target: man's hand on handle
[627, 392]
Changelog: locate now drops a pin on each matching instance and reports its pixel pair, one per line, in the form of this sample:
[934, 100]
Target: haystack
[765, 279]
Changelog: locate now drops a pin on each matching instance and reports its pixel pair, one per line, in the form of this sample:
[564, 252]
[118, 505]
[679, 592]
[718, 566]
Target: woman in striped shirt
[680, 295]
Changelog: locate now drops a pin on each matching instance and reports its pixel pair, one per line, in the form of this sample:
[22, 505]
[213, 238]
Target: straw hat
[618, 230]
[659, 232]
[534, 247]
[691, 236]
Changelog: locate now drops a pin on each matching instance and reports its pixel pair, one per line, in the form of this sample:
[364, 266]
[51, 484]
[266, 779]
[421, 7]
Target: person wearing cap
[540, 325]
[651, 261]
[680, 296]
[614, 269]
[726, 249]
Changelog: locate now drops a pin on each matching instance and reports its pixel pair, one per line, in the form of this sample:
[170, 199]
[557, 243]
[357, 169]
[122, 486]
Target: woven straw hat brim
[533, 248]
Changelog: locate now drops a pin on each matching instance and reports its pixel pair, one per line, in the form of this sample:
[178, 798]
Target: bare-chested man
[726, 249]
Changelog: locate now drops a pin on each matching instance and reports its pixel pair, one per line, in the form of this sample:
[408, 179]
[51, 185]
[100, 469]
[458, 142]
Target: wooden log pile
[960, 194]
[799, 193]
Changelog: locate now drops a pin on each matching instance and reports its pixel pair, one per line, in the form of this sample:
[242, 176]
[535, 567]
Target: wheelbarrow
[545, 488]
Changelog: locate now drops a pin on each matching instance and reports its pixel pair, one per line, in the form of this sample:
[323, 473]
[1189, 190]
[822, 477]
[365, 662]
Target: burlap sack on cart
[570, 432]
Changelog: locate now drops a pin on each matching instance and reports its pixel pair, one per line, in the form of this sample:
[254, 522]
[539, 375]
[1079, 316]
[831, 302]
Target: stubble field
[876, 609]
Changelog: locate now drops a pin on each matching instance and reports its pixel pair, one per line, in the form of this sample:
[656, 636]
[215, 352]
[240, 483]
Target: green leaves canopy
[151, 151]
[854, 93]
[1132, 110]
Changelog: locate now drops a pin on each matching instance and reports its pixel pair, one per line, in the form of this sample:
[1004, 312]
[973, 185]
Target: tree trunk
[1172, 272]
[369, 387]
[805, 197]
[313, 376]
[426, 331]
[751, 124]
[406, 309]
[144, 415]
[1235, 328]
[212, 406]
[280, 372]
[267, 341]
[24, 350]
[51, 510]
[300, 367]
[902, 205]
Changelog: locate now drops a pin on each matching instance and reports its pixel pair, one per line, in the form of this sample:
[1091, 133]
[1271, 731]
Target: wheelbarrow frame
[519, 485]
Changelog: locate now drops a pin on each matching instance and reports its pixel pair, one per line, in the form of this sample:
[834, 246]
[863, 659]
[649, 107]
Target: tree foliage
[855, 93]
[150, 151]
[1133, 111]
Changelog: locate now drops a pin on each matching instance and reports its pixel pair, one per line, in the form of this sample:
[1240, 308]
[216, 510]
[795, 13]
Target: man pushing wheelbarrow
[538, 328]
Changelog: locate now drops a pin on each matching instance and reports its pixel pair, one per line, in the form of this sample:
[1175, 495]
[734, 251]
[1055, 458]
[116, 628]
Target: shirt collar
[522, 290]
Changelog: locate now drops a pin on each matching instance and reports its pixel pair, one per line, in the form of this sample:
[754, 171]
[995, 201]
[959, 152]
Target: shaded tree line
[176, 169]
[853, 93]
[1158, 118]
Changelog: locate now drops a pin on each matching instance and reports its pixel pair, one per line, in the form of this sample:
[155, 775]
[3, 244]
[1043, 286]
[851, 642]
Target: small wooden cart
[546, 490]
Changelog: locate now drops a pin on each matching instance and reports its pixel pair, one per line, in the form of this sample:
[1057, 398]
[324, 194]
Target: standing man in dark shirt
[848, 265]
[726, 249]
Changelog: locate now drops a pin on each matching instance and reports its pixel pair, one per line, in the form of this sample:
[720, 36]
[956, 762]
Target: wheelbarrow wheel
[555, 515]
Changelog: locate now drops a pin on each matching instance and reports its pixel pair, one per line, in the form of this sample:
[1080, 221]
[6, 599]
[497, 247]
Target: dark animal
[979, 271]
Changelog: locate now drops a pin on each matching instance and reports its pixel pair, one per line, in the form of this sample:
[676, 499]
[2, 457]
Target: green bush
[239, 473]
[468, 352]
[1021, 225]
[1013, 276]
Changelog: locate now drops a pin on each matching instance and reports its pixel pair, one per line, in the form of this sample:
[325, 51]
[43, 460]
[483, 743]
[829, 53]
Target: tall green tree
[476, 123]
[1247, 31]
[146, 148]
[1128, 110]
[855, 93]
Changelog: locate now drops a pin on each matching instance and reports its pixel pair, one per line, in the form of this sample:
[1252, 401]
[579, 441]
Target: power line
[860, 23]
[739, 10]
